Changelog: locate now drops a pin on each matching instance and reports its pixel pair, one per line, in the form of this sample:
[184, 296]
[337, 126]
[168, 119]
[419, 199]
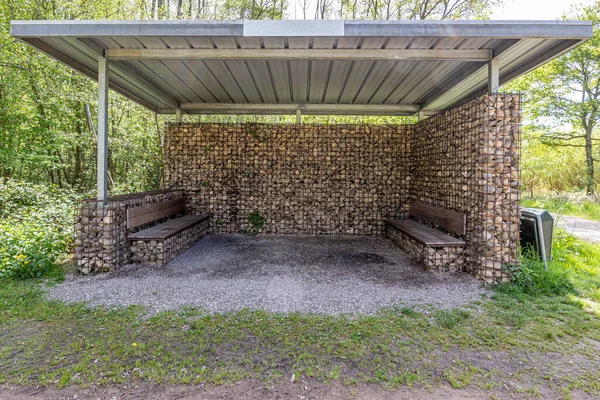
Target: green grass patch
[451, 319]
[46, 342]
[574, 204]
[574, 270]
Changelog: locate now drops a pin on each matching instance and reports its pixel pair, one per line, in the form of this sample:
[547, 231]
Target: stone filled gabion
[303, 179]
[338, 179]
[158, 253]
[101, 228]
[446, 259]
[467, 160]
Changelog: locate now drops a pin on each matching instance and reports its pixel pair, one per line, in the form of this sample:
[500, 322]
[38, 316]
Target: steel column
[493, 76]
[102, 151]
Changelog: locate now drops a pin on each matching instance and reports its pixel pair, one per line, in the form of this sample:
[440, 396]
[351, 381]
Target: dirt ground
[253, 390]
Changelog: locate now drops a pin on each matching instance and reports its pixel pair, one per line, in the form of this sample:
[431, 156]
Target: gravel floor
[324, 274]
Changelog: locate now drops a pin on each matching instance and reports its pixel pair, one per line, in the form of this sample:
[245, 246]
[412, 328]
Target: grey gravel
[310, 274]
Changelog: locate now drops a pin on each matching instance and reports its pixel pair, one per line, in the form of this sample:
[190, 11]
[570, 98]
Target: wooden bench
[159, 243]
[427, 245]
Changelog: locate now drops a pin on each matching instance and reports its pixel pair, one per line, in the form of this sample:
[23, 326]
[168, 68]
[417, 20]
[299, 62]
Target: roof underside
[317, 67]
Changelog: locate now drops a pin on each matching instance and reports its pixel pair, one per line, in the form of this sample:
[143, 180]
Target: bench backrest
[137, 216]
[451, 220]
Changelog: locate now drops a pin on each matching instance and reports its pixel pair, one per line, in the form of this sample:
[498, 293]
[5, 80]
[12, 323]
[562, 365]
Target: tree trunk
[179, 11]
[154, 11]
[589, 161]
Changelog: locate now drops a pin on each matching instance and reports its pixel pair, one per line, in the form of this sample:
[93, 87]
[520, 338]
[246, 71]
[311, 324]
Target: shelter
[318, 179]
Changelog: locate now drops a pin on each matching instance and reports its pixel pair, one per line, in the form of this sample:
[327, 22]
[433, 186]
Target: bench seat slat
[451, 220]
[168, 229]
[428, 236]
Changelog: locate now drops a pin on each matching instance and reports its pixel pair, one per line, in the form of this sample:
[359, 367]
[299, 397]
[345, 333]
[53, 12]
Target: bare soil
[254, 390]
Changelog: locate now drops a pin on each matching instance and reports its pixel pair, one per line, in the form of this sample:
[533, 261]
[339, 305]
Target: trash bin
[537, 228]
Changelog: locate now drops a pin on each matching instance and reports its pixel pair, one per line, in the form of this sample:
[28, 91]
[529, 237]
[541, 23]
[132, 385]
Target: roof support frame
[85, 70]
[467, 55]
[463, 67]
[467, 84]
[90, 47]
[303, 109]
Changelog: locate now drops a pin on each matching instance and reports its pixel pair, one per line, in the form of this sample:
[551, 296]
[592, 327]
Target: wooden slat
[168, 229]
[137, 216]
[451, 220]
[424, 234]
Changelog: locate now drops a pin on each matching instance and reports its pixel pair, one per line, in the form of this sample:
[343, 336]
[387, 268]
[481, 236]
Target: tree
[44, 133]
[563, 96]
[415, 9]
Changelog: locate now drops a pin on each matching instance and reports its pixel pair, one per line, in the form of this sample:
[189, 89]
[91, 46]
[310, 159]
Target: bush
[29, 249]
[36, 227]
[25, 201]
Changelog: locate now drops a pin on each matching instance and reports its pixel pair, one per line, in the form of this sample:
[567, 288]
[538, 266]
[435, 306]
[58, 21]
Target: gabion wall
[337, 179]
[101, 243]
[307, 179]
[467, 160]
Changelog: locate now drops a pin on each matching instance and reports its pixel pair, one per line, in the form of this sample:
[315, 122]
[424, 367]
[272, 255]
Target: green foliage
[576, 204]
[405, 9]
[36, 228]
[532, 278]
[44, 135]
[546, 167]
[30, 249]
[255, 223]
[562, 99]
[452, 318]
[574, 269]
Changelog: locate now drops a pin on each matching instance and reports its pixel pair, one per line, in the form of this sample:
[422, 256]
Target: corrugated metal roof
[345, 67]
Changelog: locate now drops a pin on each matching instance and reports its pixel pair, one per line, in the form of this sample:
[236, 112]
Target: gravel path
[324, 274]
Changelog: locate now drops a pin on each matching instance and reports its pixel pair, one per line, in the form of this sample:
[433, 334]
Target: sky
[535, 9]
[510, 9]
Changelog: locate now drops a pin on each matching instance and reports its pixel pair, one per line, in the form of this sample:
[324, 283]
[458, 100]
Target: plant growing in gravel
[255, 223]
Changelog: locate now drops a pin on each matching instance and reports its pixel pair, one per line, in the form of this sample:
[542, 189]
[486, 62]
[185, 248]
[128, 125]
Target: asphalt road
[582, 228]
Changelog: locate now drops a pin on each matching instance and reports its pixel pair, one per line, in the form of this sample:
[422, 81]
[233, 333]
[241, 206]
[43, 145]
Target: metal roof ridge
[302, 28]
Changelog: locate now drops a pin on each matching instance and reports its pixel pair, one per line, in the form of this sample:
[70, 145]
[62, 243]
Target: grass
[46, 342]
[574, 204]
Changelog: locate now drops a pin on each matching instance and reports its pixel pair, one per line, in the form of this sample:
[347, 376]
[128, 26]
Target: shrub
[29, 249]
[36, 227]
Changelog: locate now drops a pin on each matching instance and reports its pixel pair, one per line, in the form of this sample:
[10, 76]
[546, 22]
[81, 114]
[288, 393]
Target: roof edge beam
[473, 55]
[304, 109]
